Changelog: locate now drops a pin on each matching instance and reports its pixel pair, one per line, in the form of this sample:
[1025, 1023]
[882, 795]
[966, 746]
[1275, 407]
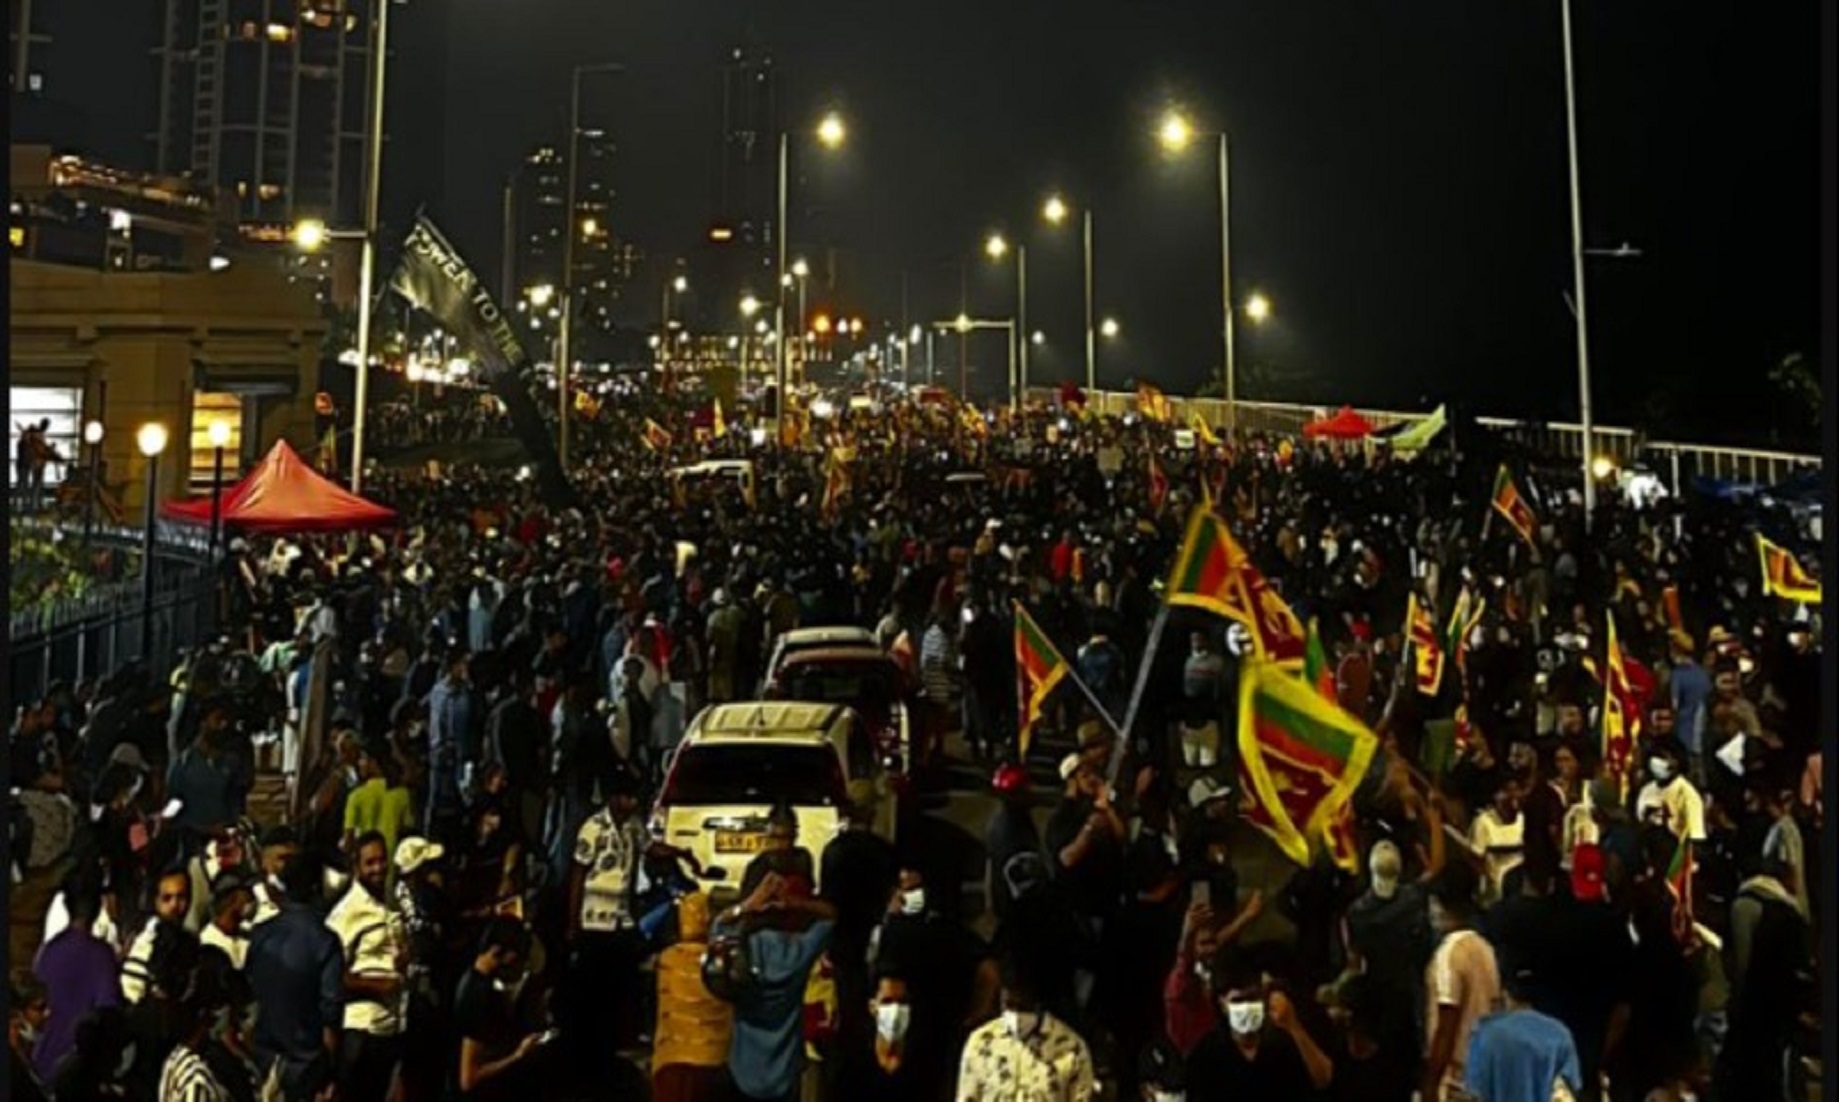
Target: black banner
[434, 278]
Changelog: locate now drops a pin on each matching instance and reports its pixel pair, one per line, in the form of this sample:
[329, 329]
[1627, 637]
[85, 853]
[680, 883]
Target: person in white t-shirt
[1668, 799]
[599, 1014]
[232, 904]
[376, 957]
[1497, 836]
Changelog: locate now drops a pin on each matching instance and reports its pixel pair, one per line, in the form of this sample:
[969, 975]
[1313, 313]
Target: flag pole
[1136, 695]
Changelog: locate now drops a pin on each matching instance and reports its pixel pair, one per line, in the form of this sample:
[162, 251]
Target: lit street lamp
[676, 285]
[219, 433]
[1258, 308]
[1055, 210]
[996, 247]
[1109, 328]
[92, 436]
[1175, 134]
[831, 133]
[151, 440]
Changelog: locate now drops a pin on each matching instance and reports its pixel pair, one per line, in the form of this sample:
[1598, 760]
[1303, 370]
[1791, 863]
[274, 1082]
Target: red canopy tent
[284, 494]
[1346, 425]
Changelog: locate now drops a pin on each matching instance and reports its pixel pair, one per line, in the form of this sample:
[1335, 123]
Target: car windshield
[751, 773]
[859, 685]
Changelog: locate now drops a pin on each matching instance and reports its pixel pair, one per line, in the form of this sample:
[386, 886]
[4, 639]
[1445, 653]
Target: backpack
[727, 968]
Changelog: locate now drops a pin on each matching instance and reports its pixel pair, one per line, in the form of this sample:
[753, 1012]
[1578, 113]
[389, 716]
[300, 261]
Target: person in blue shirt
[453, 743]
[1690, 687]
[1519, 1054]
[210, 783]
[787, 930]
[296, 970]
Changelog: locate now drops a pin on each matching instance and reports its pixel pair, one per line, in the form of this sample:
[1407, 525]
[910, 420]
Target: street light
[310, 235]
[541, 295]
[800, 268]
[997, 247]
[830, 134]
[749, 306]
[1055, 210]
[151, 439]
[219, 434]
[92, 436]
[1109, 327]
[1258, 308]
[1037, 338]
[676, 285]
[1175, 134]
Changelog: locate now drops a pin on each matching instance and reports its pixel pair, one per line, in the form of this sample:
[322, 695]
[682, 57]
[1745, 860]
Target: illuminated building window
[28, 405]
[280, 32]
[16, 235]
[268, 191]
[209, 409]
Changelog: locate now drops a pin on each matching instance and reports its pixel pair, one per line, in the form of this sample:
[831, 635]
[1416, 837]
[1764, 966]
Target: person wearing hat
[419, 904]
[1387, 930]
[1085, 839]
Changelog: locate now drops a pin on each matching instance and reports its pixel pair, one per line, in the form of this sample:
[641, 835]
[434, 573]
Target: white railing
[1679, 461]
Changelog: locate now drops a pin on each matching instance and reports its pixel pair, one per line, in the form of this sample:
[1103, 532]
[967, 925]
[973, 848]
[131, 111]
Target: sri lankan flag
[1462, 621]
[1039, 669]
[973, 421]
[1509, 504]
[657, 437]
[1213, 573]
[836, 477]
[1679, 885]
[718, 425]
[1621, 710]
[1316, 669]
[1783, 575]
[1426, 648]
[1152, 403]
[1300, 758]
[1203, 431]
[1158, 486]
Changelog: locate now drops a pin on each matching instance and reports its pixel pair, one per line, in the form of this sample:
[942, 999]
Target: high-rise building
[748, 161]
[604, 262]
[268, 100]
[539, 196]
[27, 42]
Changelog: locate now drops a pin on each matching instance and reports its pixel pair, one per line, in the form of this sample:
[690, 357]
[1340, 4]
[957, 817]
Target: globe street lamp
[92, 436]
[1109, 327]
[151, 440]
[1258, 308]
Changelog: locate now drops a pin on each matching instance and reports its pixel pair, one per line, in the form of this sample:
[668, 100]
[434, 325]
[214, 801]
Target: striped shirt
[185, 1077]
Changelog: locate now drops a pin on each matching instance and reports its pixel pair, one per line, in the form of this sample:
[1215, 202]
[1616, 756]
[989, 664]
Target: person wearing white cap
[1085, 841]
[415, 902]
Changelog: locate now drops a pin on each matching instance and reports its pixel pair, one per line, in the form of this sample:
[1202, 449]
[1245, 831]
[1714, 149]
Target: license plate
[734, 841]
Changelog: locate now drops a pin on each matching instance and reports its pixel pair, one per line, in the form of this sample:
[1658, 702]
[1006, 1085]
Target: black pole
[146, 559]
[95, 483]
[216, 501]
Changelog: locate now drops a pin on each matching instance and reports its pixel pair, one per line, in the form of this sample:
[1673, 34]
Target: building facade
[127, 307]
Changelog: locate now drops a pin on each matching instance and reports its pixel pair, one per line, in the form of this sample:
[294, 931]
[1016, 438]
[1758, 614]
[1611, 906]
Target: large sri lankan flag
[1039, 669]
[1300, 758]
[1215, 574]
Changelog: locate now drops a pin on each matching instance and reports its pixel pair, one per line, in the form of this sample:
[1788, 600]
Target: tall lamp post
[796, 276]
[675, 285]
[1055, 211]
[92, 436]
[220, 437]
[964, 325]
[564, 339]
[1586, 418]
[152, 441]
[997, 248]
[1175, 134]
[367, 265]
[830, 133]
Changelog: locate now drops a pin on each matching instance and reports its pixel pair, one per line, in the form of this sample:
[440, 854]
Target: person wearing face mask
[1259, 1049]
[1668, 798]
[949, 983]
[1026, 1054]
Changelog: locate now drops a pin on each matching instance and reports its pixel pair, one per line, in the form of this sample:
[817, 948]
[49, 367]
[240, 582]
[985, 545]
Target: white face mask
[891, 1021]
[1022, 1024]
[913, 902]
[1661, 768]
[1245, 1018]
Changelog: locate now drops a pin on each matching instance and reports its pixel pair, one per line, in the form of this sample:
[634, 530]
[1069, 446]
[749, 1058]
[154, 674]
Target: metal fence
[96, 633]
[1678, 462]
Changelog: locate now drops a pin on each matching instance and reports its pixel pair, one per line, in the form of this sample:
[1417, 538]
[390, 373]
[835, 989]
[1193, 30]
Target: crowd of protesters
[465, 717]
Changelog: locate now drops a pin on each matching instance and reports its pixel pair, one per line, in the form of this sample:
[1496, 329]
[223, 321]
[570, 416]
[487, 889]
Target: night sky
[1399, 174]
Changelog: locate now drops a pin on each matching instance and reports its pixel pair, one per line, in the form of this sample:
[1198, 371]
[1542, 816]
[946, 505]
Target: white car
[737, 760]
[810, 639]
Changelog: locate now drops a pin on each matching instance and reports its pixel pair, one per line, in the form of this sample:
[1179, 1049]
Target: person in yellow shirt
[380, 802]
[689, 1059]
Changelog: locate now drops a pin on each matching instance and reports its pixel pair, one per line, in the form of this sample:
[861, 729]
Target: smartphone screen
[1203, 893]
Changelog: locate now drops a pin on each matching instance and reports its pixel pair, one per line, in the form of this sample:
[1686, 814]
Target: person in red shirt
[1188, 1008]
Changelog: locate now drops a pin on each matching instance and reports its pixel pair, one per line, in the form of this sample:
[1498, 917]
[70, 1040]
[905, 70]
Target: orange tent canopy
[284, 494]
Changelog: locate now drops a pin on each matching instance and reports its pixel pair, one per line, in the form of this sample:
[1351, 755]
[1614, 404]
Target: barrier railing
[1676, 461]
[95, 633]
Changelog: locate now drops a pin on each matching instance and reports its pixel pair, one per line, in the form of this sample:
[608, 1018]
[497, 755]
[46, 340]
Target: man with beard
[375, 954]
[172, 901]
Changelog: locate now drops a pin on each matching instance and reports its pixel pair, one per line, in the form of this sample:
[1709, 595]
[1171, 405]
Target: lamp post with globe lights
[92, 438]
[1055, 210]
[151, 439]
[219, 433]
